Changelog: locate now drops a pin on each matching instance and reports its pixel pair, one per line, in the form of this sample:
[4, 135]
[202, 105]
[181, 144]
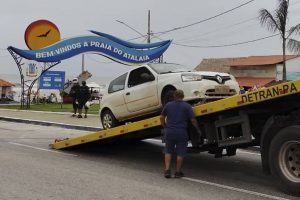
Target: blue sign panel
[52, 80]
[100, 43]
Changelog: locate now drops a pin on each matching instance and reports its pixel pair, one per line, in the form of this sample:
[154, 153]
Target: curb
[46, 112]
[47, 123]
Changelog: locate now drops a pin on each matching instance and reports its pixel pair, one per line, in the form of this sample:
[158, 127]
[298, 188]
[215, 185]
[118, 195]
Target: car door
[141, 91]
[115, 100]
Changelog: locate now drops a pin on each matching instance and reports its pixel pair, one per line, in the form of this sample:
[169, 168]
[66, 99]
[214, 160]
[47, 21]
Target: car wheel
[108, 120]
[167, 96]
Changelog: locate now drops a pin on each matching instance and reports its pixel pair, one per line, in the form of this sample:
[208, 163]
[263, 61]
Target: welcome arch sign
[42, 38]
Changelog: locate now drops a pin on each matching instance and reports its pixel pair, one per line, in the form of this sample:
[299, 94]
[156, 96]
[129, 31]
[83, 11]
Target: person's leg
[85, 111]
[80, 106]
[181, 149]
[168, 158]
[79, 113]
[169, 149]
[179, 162]
[74, 108]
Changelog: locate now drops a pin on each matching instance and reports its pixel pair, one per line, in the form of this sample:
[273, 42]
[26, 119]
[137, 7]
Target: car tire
[108, 120]
[284, 159]
[167, 96]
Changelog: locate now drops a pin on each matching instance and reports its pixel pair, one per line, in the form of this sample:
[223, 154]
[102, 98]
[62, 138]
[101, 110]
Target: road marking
[154, 140]
[41, 149]
[225, 186]
[248, 152]
[234, 189]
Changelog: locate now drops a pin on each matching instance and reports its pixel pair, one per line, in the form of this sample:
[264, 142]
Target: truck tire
[284, 159]
[108, 120]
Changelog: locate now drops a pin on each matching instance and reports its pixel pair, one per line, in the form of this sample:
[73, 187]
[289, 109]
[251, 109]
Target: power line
[217, 29]
[225, 45]
[250, 19]
[294, 3]
[125, 24]
[195, 23]
[204, 20]
[215, 37]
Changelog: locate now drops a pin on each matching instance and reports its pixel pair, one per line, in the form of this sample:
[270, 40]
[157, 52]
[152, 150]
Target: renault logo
[219, 79]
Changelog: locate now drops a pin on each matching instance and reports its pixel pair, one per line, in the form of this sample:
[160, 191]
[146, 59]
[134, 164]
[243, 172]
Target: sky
[74, 18]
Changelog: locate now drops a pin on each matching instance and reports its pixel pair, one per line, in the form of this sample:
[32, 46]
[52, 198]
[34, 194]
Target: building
[254, 70]
[261, 70]
[6, 89]
[216, 64]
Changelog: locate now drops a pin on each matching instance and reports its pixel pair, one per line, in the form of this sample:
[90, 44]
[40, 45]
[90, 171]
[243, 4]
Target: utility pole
[160, 60]
[149, 29]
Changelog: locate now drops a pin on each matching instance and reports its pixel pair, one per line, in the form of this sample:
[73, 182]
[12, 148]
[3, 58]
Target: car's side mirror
[147, 77]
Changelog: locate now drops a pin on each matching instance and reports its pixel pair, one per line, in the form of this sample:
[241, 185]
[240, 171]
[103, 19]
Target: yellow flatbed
[253, 97]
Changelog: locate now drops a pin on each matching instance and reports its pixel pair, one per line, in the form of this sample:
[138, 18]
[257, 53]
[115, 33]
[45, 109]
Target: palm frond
[294, 45]
[281, 15]
[266, 19]
[294, 30]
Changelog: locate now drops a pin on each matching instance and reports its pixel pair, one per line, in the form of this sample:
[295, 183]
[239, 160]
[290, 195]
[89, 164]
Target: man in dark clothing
[174, 118]
[74, 94]
[83, 96]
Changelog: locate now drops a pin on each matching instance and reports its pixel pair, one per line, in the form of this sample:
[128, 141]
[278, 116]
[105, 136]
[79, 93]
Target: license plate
[222, 89]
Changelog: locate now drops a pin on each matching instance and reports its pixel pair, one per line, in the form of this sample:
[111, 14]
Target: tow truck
[268, 118]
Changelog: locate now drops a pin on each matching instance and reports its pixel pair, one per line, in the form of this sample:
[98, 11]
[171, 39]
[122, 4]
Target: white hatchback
[145, 89]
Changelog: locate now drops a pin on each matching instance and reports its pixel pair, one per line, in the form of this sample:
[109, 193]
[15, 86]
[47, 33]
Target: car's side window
[140, 76]
[117, 84]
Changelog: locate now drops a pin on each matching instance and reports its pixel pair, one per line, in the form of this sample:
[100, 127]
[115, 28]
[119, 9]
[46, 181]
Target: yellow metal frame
[263, 94]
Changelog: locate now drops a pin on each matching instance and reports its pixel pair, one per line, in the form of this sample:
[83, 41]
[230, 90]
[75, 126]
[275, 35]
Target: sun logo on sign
[40, 34]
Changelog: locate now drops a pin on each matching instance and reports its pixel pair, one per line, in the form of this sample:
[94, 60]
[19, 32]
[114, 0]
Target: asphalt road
[30, 170]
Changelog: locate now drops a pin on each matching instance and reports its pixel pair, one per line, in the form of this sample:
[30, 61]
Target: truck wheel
[108, 120]
[284, 159]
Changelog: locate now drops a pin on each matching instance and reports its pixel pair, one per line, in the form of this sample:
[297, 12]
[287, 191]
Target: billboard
[52, 80]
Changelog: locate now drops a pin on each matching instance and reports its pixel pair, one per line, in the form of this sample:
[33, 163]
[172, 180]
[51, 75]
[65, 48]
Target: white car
[144, 89]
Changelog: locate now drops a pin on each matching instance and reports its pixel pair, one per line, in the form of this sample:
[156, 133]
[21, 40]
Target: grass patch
[53, 107]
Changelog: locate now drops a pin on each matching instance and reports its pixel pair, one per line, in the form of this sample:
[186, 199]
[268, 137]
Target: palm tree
[278, 23]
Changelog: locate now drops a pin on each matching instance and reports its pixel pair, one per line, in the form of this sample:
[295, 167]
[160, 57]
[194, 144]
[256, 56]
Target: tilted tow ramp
[151, 126]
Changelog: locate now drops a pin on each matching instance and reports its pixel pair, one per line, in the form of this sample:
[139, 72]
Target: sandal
[167, 173]
[178, 175]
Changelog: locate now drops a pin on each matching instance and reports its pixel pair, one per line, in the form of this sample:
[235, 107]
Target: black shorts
[176, 146]
[80, 105]
[75, 105]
